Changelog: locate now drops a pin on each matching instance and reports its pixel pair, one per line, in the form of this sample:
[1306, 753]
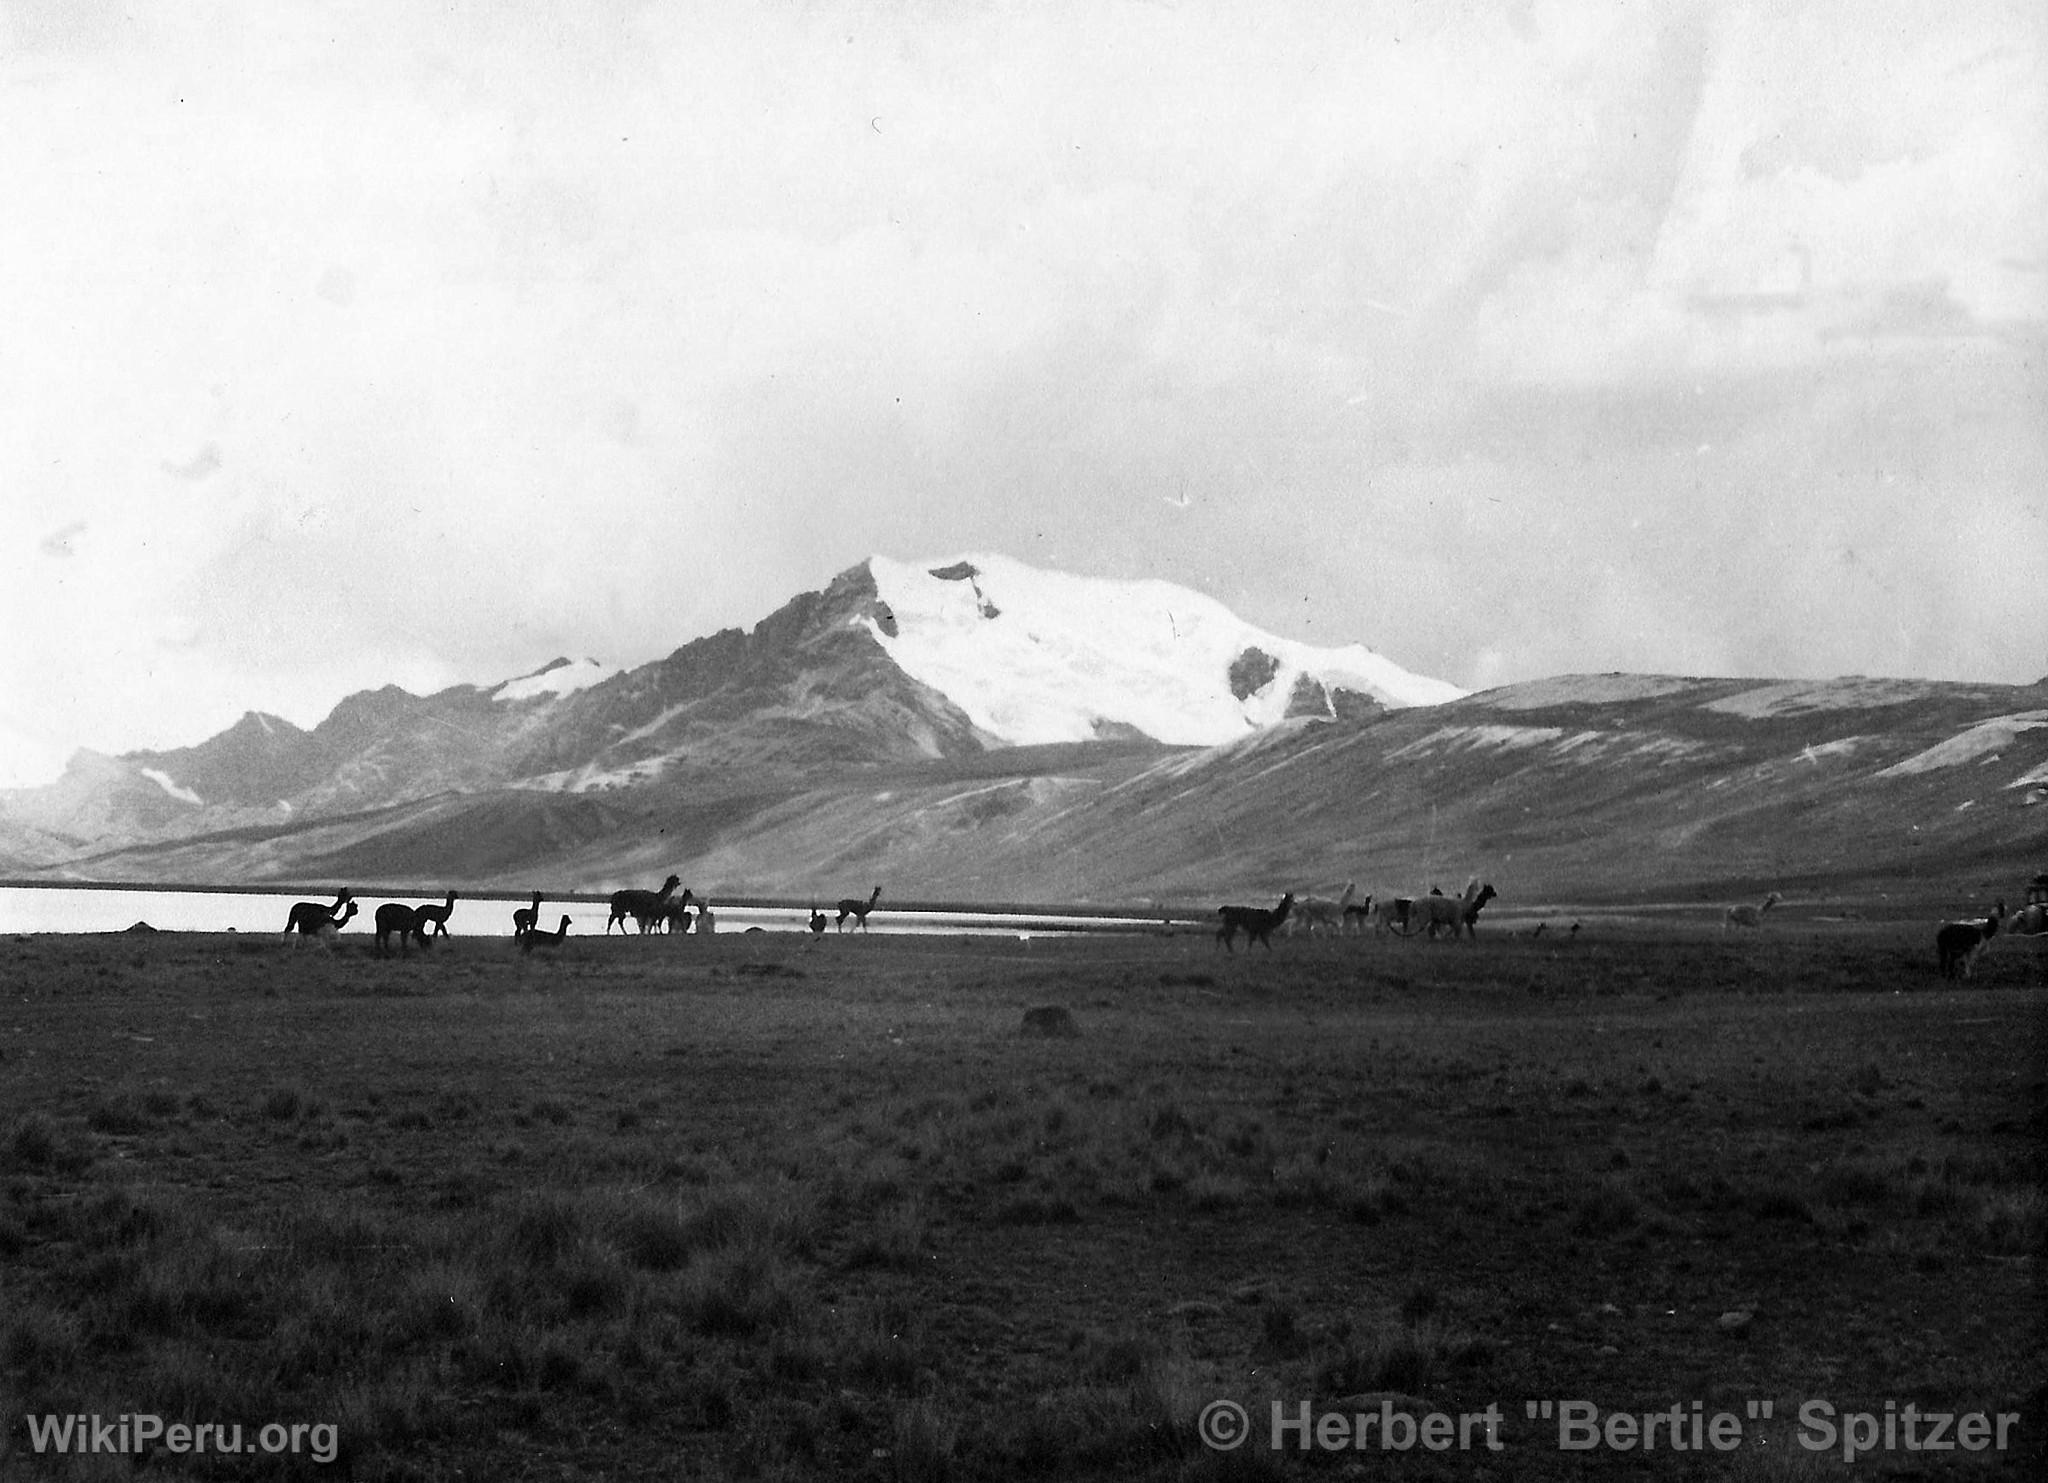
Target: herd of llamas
[1958, 944]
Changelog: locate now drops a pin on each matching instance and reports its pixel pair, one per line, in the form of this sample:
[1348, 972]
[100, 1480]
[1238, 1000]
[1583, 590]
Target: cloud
[496, 332]
[198, 466]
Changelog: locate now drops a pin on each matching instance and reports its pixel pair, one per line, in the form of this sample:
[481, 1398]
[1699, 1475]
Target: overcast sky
[348, 344]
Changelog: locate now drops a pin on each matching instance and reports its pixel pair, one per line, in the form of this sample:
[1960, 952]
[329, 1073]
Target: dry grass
[641, 1213]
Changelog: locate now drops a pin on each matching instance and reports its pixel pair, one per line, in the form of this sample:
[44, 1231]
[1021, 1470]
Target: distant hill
[1587, 789]
[892, 664]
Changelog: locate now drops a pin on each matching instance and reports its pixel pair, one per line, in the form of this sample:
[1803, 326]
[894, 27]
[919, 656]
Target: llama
[677, 913]
[1958, 945]
[706, 922]
[1256, 922]
[326, 931]
[642, 906]
[1451, 913]
[1749, 916]
[852, 907]
[1320, 911]
[533, 937]
[308, 917]
[1539, 929]
[1358, 915]
[526, 918]
[403, 920]
[817, 922]
[1486, 894]
[435, 916]
[320, 924]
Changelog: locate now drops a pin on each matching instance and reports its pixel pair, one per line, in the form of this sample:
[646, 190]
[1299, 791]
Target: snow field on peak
[1034, 656]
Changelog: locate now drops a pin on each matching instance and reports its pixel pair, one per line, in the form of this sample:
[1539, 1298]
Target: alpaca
[706, 922]
[1321, 911]
[1358, 915]
[1392, 915]
[320, 924]
[308, 917]
[435, 916]
[677, 913]
[851, 907]
[1256, 922]
[1437, 910]
[526, 918]
[1486, 894]
[1749, 916]
[405, 921]
[642, 906]
[325, 932]
[533, 937]
[1539, 929]
[817, 922]
[1958, 945]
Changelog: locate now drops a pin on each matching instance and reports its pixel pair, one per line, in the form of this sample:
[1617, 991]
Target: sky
[353, 344]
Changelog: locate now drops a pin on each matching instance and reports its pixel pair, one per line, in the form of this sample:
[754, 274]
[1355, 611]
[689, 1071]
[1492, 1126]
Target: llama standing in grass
[435, 916]
[320, 924]
[1321, 911]
[1958, 945]
[1453, 914]
[403, 920]
[642, 906]
[852, 906]
[1749, 916]
[677, 913]
[1256, 922]
[526, 918]
[306, 918]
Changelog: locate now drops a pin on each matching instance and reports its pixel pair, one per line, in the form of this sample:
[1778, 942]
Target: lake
[69, 908]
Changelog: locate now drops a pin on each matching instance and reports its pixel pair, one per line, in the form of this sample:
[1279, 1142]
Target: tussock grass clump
[35, 1141]
[2005, 1222]
[886, 1346]
[1210, 1192]
[893, 1239]
[1778, 1202]
[1607, 1209]
[291, 1103]
[43, 1340]
[1854, 1182]
[1040, 1208]
[925, 1436]
[129, 1113]
[1408, 1357]
[1144, 1418]
[738, 1292]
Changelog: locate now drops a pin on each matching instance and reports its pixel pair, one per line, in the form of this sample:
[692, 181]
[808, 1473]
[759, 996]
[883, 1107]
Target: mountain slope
[1618, 788]
[847, 678]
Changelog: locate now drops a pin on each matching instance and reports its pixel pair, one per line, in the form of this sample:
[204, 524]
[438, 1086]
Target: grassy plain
[755, 1207]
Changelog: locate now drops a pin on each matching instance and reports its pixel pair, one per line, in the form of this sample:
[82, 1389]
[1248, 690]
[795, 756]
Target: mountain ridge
[800, 757]
[813, 687]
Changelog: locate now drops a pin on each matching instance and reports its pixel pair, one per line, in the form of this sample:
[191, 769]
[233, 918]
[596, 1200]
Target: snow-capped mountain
[1035, 656]
[893, 663]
